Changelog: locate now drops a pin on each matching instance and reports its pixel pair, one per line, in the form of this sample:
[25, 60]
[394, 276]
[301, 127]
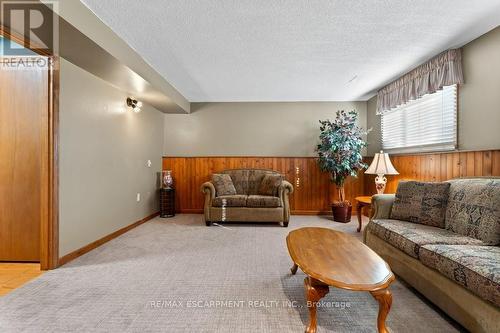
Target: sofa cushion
[474, 209]
[477, 268]
[409, 237]
[420, 202]
[237, 200]
[240, 180]
[263, 201]
[223, 184]
[270, 184]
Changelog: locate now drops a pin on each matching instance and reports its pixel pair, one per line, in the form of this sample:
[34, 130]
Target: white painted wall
[251, 129]
[373, 123]
[82, 18]
[479, 98]
[103, 155]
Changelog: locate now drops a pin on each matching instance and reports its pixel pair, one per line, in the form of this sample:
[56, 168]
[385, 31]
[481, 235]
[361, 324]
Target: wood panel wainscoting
[438, 167]
[313, 191]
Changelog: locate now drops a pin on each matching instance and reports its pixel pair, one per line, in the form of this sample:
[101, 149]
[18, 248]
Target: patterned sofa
[247, 195]
[456, 265]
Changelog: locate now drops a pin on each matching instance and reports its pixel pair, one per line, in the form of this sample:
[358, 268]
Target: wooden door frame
[49, 213]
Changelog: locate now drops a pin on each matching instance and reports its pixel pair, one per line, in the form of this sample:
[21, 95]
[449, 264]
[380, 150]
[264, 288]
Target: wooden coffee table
[333, 258]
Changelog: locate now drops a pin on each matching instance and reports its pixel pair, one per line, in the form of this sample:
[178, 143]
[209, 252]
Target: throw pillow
[419, 202]
[474, 209]
[223, 184]
[270, 184]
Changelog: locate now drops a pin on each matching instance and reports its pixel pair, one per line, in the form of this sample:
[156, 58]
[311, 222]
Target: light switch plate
[138, 197]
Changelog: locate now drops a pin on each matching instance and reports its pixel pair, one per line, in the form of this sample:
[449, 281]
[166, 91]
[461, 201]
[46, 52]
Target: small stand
[167, 202]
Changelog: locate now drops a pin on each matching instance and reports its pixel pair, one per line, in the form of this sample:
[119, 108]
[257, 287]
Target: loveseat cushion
[474, 209]
[255, 177]
[270, 184]
[420, 202]
[223, 184]
[263, 201]
[240, 180]
[237, 200]
[409, 237]
[477, 268]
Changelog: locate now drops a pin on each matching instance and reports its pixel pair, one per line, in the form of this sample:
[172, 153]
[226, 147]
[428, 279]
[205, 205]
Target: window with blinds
[425, 124]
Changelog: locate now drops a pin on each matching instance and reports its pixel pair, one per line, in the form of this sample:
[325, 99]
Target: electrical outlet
[149, 163]
[138, 197]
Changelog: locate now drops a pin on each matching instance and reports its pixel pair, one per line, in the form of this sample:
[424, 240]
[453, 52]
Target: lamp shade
[381, 165]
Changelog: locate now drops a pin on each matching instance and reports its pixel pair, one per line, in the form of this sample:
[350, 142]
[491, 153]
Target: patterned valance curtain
[443, 70]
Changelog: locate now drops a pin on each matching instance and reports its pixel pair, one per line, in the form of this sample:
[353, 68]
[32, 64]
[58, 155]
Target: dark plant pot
[342, 212]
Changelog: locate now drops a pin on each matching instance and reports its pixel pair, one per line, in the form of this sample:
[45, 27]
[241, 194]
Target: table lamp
[381, 165]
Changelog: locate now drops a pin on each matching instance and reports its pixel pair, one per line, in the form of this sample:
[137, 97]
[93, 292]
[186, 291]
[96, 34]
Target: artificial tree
[339, 150]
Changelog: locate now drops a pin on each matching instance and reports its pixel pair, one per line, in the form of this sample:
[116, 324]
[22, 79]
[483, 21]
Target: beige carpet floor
[177, 275]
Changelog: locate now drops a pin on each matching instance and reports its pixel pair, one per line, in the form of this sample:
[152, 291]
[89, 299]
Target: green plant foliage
[339, 149]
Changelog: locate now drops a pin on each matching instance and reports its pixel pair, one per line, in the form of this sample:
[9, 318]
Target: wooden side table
[362, 202]
[167, 202]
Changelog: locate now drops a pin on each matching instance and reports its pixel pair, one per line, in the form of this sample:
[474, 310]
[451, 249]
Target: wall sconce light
[134, 104]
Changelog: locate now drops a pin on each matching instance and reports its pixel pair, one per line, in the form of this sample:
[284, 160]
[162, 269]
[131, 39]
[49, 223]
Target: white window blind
[425, 124]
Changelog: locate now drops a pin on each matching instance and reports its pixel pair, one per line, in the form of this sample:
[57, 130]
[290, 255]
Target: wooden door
[23, 160]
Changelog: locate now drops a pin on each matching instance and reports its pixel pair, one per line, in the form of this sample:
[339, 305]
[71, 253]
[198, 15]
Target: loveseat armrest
[284, 191]
[382, 205]
[209, 190]
[285, 186]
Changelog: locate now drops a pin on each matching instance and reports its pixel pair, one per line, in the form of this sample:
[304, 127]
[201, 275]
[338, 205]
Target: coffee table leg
[315, 290]
[360, 215]
[384, 299]
[294, 269]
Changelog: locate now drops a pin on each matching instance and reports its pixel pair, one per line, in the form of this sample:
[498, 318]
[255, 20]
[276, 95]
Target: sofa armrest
[284, 191]
[382, 205]
[209, 190]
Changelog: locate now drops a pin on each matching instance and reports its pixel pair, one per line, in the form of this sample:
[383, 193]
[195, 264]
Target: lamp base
[380, 182]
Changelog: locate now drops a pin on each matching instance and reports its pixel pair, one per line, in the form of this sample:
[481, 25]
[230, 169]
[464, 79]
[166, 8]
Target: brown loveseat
[248, 204]
[457, 265]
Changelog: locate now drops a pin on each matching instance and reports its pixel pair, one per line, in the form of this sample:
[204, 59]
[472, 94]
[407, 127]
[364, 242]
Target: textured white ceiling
[291, 50]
